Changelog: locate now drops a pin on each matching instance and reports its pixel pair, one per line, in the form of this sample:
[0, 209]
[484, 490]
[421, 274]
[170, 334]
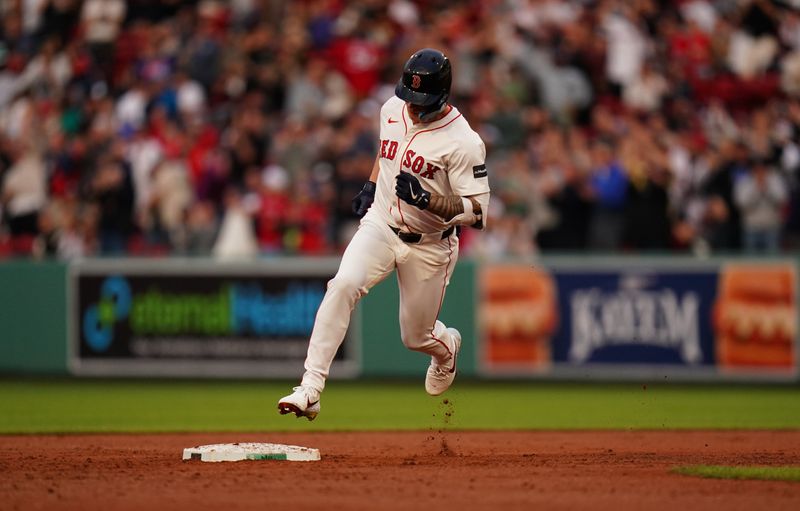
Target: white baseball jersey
[448, 158]
[446, 155]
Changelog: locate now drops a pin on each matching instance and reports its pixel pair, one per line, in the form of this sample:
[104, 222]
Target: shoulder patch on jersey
[479, 171]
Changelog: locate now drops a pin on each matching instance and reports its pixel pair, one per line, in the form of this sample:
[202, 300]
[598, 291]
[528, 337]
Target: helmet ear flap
[445, 97]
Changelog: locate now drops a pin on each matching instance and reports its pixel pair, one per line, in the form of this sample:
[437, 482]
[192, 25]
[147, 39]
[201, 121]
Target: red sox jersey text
[442, 154]
[412, 162]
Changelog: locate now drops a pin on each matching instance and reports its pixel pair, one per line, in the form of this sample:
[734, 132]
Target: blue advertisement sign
[613, 317]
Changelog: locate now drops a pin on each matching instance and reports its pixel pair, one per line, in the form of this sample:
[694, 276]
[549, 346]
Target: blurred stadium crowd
[153, 127]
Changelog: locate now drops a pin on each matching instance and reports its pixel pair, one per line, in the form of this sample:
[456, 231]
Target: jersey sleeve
[466, 168]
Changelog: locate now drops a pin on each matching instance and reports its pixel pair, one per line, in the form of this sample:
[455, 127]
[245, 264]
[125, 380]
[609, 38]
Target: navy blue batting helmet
[426, 79]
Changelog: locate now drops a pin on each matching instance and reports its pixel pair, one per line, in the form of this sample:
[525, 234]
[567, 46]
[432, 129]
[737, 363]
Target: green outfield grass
[723, 472]
[36, 406]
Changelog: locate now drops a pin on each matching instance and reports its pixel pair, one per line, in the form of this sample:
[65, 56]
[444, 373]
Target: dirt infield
[401, 470]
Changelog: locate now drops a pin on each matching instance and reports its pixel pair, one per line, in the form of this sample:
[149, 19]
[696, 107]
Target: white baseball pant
[423, 272]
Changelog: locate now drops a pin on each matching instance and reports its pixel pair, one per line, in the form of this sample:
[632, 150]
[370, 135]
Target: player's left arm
[468, 180]
[454, 209]
[459, 210]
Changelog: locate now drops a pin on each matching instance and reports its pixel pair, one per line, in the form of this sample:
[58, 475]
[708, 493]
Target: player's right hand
[363, 200]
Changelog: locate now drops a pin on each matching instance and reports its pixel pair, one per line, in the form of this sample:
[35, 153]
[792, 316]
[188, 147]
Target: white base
[250, 451]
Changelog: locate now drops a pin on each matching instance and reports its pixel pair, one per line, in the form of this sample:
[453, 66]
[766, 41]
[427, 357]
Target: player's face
[414, 112]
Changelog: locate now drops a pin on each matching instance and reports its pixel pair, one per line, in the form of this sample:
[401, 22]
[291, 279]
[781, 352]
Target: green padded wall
[33, 319]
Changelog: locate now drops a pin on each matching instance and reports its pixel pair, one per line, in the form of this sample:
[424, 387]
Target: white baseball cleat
[303, 402]
[440, 377]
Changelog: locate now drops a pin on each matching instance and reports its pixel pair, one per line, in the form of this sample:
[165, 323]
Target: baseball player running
[429, 177]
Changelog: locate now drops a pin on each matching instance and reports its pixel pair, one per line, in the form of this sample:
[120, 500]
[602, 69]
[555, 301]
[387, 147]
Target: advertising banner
[198, 319]
[698, 320]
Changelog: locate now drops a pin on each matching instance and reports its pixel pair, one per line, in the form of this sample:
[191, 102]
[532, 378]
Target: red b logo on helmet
[416, 81]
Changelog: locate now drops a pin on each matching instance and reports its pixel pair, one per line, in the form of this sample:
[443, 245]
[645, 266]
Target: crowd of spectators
[245, 127]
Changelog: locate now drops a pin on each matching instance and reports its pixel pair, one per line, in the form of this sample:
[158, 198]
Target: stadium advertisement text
[696, 321]
[195, 320]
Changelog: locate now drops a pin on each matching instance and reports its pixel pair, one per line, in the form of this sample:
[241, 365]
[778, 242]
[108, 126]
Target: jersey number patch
[418, 165]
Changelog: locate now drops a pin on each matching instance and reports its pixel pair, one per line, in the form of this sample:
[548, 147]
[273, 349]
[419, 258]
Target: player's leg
[423, 279]
[368, 259]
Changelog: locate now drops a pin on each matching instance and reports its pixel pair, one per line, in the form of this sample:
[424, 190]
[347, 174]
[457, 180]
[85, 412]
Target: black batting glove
[363, 200]
[410, 190]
